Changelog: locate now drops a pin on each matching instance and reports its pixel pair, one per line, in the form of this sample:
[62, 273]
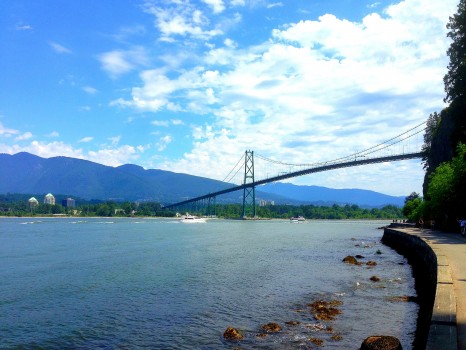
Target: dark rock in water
[351, 260]
[325, 310]
[371, 263]
[316, 341]
[232, 334]
[403, 298]
[271, 327]
[375, 279]
[359, 257]
[292, 323]
[381, 342]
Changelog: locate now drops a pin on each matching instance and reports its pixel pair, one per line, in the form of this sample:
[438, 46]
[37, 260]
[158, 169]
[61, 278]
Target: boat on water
[297, 219]
[192, 219]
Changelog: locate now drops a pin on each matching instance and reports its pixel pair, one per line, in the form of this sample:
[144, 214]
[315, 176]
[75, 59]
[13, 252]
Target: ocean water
[72, 283]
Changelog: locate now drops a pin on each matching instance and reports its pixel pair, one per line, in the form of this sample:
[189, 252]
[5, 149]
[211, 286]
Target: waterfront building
[68, 203]
[49, 199]
[33, 203]
[263, 203]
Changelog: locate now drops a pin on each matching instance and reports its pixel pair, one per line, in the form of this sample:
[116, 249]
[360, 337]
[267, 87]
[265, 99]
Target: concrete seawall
[436, 322]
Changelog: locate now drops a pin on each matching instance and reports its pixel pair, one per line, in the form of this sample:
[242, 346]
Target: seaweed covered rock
[325, 310]
[351, 260]
[381, 342]
[232, 334]
[271, 327]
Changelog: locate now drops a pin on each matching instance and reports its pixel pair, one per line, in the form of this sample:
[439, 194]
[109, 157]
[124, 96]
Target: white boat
[192, 219]
[297, 219]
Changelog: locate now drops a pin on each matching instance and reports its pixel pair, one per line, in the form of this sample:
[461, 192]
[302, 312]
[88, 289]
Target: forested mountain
[27, 173]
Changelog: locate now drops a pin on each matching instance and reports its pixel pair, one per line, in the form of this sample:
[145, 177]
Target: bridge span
[388, 151]
[326, 166]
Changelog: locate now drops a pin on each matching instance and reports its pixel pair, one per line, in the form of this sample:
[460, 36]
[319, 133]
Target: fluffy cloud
[6, 132]
[111, 156]
[25, 136]
[315, 91]
[119, 62]
[183, 19]
[217, 5]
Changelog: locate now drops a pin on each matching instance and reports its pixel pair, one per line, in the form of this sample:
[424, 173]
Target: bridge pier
[249, 193]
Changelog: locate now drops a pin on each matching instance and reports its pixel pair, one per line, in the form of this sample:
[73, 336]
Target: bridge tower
[249, 193]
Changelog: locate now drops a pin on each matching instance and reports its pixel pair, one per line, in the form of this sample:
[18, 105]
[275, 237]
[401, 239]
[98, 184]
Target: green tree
[447, 190]
[455, 79]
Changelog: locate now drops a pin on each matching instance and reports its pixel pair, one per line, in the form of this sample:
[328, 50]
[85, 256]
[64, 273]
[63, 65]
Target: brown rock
[371, 263]
[292, 323]
[325, 310]
[351, 260]
[381, 342]
[403, 298]
[271, 327]
[232, 334]
[375, 279]
[336, 337]
[316, 341]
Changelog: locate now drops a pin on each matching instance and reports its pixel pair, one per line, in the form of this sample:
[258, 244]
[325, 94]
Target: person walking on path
[463, 227]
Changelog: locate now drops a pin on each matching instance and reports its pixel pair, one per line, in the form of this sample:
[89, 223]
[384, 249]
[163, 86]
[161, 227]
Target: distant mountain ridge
[329, 196]
[27, 173]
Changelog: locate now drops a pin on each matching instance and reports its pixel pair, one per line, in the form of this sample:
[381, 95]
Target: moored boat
[297, 219]
[192, 219]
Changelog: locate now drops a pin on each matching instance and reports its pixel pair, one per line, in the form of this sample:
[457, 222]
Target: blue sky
[188, 86]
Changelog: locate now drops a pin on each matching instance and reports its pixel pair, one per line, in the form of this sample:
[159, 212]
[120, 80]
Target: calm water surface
[162, 284]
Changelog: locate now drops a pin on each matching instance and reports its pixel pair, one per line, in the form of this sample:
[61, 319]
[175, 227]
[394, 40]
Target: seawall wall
[424, 264]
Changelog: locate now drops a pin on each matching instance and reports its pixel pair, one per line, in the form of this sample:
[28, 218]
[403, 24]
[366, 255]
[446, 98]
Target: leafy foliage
[447, 190]
[455, 79]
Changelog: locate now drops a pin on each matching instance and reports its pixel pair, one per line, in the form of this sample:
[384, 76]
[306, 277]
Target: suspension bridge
[395, 149]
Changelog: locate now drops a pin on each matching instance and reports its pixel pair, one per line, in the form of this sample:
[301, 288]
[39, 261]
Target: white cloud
[114, 140]
[183, 19]
[59, 48]
[6, 132]
[23, 27]
[115, 156]
[315, 91]
[163, 142]
[274, 4]
[237, 2]
[164, 123]
[108, 156]
[46, 150]
[217, 5]
[119, 62]
[90, 90]
[86, 139]
[53, 134]
[25, 136]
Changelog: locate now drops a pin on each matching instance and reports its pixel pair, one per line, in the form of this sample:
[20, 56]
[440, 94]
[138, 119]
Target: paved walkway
[450, 249]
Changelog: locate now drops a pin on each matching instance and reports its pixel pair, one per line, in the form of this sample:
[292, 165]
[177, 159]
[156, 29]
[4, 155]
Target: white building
[33, 202]
[49, 199]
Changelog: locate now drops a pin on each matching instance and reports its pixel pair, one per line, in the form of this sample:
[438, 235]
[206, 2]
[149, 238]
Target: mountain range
[27, 173]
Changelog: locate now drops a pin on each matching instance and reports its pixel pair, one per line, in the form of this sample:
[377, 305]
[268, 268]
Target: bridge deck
[320, 168]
